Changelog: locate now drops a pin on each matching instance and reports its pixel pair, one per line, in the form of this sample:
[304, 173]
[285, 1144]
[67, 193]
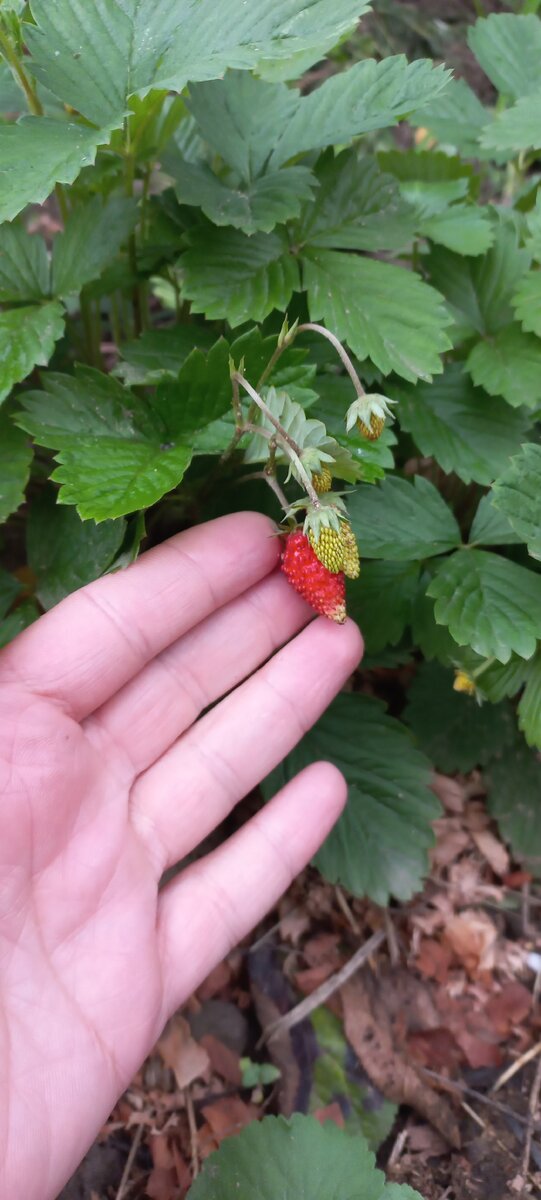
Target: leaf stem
[10, 54]
[290, 447]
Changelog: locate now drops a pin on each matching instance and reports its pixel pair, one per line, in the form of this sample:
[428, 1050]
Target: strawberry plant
[223, 286]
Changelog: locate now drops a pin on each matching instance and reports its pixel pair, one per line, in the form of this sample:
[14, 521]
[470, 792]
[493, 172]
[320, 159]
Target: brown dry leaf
[162, 1184]
[472, 937]
[492, 850]
[228, 1116]
[322, 950]
[423, 1139]
[435, 1048]
[224, 1061]
[293, 925]
[218, 980]
[451, 841]
[184, 1175]
[450, 793]
[331, 1112]
[162, 1155]
[509, 1007]
[185, 1057]
[370, 1037]
[478, 1051]
[433, 960]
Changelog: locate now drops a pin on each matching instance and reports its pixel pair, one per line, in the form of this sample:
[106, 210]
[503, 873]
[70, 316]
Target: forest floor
[431, 1047]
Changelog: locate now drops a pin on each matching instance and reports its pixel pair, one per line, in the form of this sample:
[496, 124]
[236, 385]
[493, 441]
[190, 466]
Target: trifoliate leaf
[116, 452]
[93, 236]
[95, 58]
[465, 430]
[64, 552]
[356, 207]
[400, 520]
[514, 791]
[379, 845]
[383, 312]
[490, 527]
[479, 290]
[453, 730]
[517, 494]
[508, 48]
[15, 459]
[27, 340]
[489, 603]
[259, 204]
[24, 265]
[294, 1159]
[457, 118]
[380, 601]
[227, 275]
[527, 301]
[508, 365]
[529, 708]
[371, 95]
[38, 152]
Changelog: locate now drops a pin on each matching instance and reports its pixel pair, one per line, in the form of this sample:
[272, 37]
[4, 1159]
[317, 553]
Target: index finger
[83, 650]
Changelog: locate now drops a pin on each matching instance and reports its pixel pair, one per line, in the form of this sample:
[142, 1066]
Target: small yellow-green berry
[322, 481]
[372, 431]
[329, 548]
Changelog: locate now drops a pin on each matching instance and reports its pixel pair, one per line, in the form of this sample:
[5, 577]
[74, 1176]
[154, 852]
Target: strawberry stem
[290, 447]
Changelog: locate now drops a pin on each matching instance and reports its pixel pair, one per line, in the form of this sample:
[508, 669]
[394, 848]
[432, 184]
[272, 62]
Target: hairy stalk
[290, 447]
[331, 337]
[12, 58]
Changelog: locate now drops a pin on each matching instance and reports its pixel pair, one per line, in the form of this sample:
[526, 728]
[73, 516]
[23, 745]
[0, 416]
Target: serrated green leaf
[356, 207]
[295, 1159]
[115, 454]
[93, 236]
[9, 589]
[527, 302]
[508, 48]
[453, 730]
[38, 152]
[488, 603]
[160, 352]
[24, 265]
[431, 168]
[509, 365]
[457, 118]
[11, 95]
[380, 601]
[462, 228]
[15, 459]
[479, 290]
[227, 275]
[199, 395]
[64, 552]
[489, 527]
[27, 340]
[459, 425]
[241, 118]
[96, 59]
[307, 432]
[533, 222]
[517, 128]
[498, 680]
[517, 494]
[259, 204]
[383, 312]
[400, 520]
[433, 640]
[514, 791]
[370, 95]
[529, 708]
[379, 845]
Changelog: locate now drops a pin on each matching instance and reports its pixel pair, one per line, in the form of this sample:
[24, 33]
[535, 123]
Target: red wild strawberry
[322, 589]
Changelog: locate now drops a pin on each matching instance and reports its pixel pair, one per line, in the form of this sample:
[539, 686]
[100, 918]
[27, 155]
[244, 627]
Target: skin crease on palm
[107, 778]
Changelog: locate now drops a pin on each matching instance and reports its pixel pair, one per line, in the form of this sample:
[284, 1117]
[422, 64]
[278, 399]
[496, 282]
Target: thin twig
[347, 911]
[193, 1132]
[326, 989]
[289, 444]
[474, 1116]
[517, 1066]
[453, 1085]
[129, 1162]
[532, 1113]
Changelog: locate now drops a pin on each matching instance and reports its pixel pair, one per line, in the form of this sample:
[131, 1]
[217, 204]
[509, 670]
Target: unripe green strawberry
[373, 430]
[323, 590]
[322, 481]
[329, 548]
[352, 564]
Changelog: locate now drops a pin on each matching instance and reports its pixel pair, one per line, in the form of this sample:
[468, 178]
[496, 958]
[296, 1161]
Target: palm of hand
[106, 781]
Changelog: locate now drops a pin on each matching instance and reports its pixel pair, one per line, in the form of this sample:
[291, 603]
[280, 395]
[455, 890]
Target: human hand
[107, 778]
